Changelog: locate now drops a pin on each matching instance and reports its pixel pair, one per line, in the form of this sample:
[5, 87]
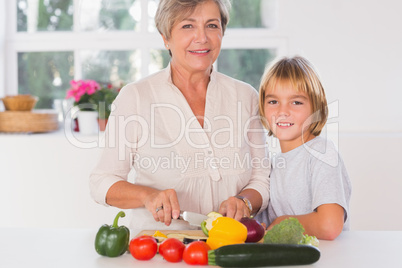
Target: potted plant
[93, 100]
[103, 100]
[83, 91]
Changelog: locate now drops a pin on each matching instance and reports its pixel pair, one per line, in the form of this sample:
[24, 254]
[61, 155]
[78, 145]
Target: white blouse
[153, 136]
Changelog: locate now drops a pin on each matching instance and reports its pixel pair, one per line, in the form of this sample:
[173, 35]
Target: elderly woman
[190, 137]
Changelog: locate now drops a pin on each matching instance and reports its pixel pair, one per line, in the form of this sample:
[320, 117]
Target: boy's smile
[288, 114]
[284, 125]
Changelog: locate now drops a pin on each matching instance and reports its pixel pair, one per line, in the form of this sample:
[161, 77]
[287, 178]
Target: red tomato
[172, 249]
[143, 247]
[196, 253]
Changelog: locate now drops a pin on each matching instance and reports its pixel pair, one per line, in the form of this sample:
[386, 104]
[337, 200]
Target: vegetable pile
[230, 243]
[285, 244]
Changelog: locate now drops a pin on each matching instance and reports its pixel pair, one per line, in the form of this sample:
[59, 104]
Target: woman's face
[195, 41]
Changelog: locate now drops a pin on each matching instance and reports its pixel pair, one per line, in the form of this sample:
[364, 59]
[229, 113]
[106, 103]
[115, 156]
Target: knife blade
[194, 219]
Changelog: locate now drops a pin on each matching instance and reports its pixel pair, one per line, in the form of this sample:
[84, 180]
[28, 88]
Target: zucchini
[188, 240]
[258, 255]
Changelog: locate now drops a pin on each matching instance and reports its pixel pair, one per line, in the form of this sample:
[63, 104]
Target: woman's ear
[167, 45]
[165, 41]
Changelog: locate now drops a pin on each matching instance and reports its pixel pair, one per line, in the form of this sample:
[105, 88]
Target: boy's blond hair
[302, 75]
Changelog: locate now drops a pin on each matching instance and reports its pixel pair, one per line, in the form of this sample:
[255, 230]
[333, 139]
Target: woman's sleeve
[117, 147]
[260, 163]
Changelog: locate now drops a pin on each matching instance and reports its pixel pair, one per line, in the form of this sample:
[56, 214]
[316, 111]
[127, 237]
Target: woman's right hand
[163, 205]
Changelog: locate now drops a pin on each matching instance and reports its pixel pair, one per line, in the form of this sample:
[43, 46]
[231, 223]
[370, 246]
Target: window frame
[16, 42]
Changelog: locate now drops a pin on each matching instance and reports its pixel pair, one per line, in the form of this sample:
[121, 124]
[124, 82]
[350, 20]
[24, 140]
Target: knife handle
[181, 215]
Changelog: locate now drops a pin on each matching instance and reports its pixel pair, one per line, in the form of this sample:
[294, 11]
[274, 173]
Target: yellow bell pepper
[226, 231]
[159, 234]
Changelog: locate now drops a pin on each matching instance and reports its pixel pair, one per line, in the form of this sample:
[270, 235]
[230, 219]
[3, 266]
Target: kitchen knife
[192, 218]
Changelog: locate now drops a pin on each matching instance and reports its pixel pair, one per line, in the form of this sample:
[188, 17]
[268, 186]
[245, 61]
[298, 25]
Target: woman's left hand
[234, 208]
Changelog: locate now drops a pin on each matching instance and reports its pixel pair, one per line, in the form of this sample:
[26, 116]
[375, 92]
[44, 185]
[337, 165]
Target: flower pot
[87, 121]
[76, 127]
[102, 124]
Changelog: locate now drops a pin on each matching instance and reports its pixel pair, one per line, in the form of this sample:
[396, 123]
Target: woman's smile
[200, 52]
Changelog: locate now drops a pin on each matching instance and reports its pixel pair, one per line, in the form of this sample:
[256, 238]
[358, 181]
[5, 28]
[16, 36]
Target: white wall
[357, 47]
[44, 183]
[2, 46]
[373, 163]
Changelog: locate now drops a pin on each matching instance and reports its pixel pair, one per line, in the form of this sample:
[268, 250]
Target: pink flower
[80, 88]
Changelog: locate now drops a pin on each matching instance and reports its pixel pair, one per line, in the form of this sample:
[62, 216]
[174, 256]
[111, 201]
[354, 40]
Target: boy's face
[288, 114]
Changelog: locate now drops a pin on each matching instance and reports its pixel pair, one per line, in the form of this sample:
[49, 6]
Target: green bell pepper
[112, 241]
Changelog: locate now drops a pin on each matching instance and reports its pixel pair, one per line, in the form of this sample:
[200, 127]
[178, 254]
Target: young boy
[312, 185]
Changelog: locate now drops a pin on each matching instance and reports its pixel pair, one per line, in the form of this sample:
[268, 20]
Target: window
[50, 42]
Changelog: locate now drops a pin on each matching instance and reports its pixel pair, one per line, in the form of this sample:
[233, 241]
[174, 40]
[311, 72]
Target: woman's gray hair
[169, 11]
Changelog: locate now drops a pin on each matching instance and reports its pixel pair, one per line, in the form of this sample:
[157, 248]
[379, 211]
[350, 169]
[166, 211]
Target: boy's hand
[277, 220]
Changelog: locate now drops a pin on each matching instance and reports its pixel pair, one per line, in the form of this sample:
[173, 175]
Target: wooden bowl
[20, 102]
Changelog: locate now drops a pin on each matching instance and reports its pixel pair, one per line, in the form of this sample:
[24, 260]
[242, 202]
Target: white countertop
[26, 247]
